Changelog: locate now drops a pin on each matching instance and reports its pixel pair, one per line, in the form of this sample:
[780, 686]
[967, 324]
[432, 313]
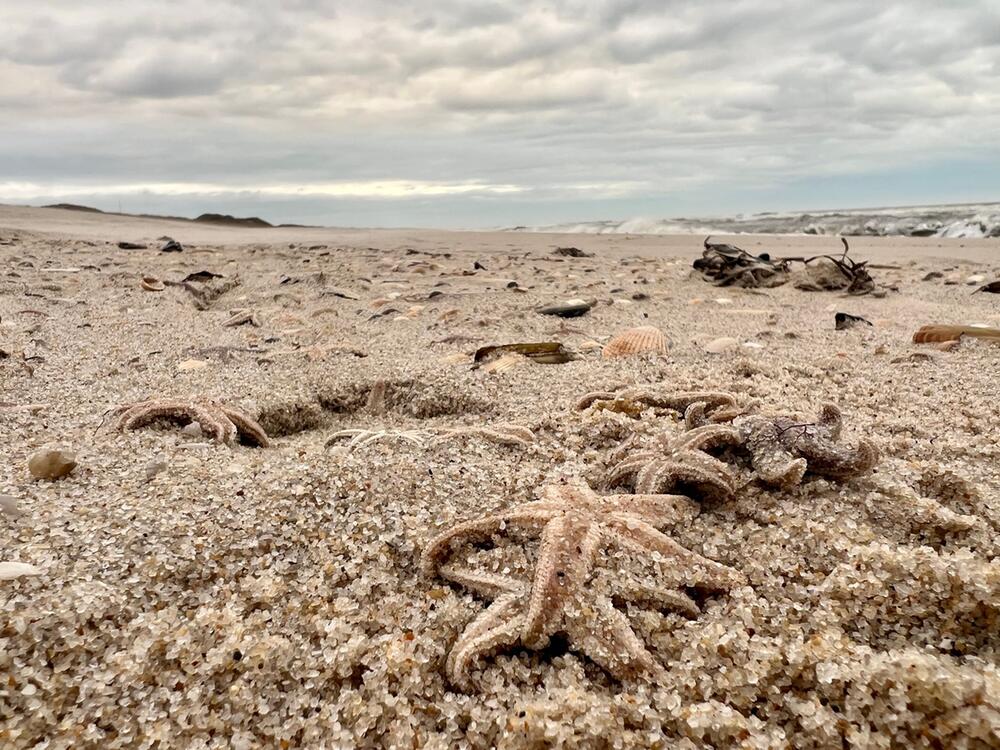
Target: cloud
[689, 103]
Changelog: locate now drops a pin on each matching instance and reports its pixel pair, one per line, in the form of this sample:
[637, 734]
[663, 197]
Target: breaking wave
[967, 220]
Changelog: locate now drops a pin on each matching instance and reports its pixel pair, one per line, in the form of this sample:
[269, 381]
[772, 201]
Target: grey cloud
[664, 96]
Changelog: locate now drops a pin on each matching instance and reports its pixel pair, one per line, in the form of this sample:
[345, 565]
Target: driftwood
[728, 265]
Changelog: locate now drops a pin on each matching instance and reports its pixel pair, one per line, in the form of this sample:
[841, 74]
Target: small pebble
[193, 430]
[720, 345]
[155, 466]
[9, 506]
[51, 464]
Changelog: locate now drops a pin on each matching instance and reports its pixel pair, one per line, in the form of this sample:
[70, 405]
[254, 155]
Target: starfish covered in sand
[222, 423]
[784, 448]
[633, 400]
[679, 460]
[567, 593]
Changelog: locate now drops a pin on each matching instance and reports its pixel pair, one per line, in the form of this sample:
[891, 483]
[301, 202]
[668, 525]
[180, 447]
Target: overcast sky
[497, 112]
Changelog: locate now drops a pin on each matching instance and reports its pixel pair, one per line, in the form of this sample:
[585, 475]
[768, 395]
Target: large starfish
[634, 399]
[678, 460]
[223, 423]
[566, 595]
[783, 448]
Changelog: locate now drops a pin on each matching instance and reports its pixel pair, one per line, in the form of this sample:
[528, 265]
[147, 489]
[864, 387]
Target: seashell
[573, 308]
[636, 341]
[152, 284]
[506, 363]
[948, 346]
[935, 333]
[720, 345]
[455, 359]
[545, 353]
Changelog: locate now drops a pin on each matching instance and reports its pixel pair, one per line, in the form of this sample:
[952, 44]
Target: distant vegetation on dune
[223, 219]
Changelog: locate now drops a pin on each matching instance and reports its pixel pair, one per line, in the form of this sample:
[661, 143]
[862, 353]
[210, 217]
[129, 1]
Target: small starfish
[360, 438]
[223, 423]
[505, 434]
[783, 448]
[566, 594]
[633, 400]
[678, 460]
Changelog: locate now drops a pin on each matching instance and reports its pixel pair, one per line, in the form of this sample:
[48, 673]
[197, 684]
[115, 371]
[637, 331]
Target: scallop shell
[506, 363]
[933, 334]
[636, 341]
[151, 284]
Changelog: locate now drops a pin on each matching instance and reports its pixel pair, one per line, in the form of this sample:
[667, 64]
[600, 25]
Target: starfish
[633, 400]
[783, 448]
[566, 595]
[678, 460]
[359, 438]
[505, 434]
[223, 423]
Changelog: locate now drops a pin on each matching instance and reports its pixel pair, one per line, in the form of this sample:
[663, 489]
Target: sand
[195, 595]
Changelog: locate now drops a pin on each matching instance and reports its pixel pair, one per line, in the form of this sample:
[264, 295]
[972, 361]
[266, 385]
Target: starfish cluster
[222, 423]
[568, 594]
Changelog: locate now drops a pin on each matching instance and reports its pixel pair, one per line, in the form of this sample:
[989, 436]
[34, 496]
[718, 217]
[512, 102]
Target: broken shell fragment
[720, 345]
[572, 309]
[152, 284]
[636, 341]
[934, 333]
[544, 353]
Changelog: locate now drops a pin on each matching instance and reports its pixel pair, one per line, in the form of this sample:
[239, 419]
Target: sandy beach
[177, 591]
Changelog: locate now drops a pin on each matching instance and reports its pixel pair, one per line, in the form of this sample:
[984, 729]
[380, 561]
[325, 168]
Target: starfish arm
[246, 426]
[566, 554]
[633, 590]
[837, 461]
[144, 413]
[831, 420]
[708, 475]
[496, 628]
[594, 396]
[681, 400]
[488, 585]
[697, 571]
[695, 415]
[530, 515]
[707, 437]
[605, 635]
[657, 509]
[625, 471]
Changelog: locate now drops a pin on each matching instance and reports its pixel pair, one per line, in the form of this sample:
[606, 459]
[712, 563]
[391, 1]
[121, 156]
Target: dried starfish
[783, 448]
[677, 460]
[566, 594]
[633, 400]
[360, 438]
[223, 423]
[505, 434]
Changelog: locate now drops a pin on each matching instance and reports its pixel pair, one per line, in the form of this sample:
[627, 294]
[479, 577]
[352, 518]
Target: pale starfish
[566, 595]
[505, 434]
[783, 448]
[634, 400]
[677, 460]
[360, 438]
[222, 423]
